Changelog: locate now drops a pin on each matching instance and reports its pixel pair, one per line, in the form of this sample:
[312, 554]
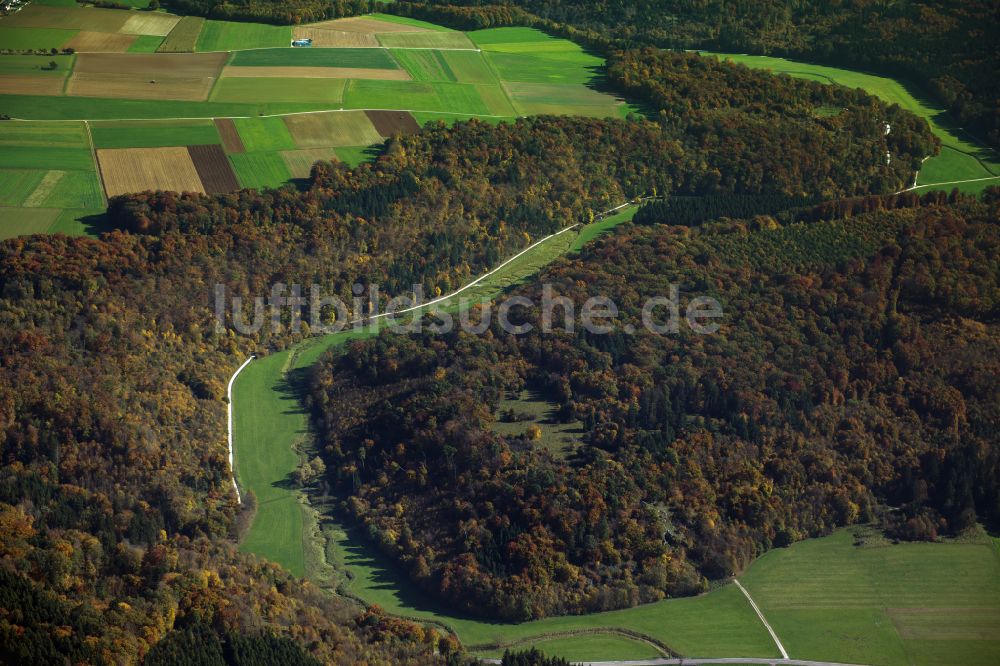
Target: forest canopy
[856, 370]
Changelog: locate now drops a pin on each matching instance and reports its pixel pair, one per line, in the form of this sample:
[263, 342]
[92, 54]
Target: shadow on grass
[386, 576]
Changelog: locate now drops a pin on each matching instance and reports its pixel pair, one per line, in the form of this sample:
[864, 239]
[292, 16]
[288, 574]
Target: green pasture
[17, 184]
[576, 68]
[99, 108]
[469, 66]
[234, 36]
[184, 36]
[46, 157]
[19, 39]
[317, 57]
[415, 96]
[67, 189]
[260, 170]
[263, 134]
[428, 65]
[77, 222]
[879, 603]
[152, 134]
[266, 413]
[36, 65]
[146, 44]
[352, 156]
[405, 20]
[24, 221]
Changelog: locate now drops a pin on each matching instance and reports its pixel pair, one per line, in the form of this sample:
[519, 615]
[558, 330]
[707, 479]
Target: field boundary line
[262, 115]
[229, 416]
[97, 164]
[767, 625]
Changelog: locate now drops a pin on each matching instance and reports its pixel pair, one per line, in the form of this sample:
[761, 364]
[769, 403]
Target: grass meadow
[317, 57]
[151, 134]
[260, 170]
[233, 36]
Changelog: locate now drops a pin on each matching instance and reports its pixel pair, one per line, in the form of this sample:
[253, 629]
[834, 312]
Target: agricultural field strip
[93, 158]
[767, 625]
[269, 115]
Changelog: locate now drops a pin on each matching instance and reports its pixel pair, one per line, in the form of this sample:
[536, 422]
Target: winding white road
[229, 414]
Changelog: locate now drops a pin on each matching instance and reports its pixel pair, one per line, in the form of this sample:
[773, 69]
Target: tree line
[945, 48]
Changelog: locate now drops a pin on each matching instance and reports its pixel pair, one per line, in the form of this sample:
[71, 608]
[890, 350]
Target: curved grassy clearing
[963, 156]
[269, 423]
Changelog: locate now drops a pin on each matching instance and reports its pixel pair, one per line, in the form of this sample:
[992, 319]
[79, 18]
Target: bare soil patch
[20, 84]
[335, 38]
[230, 136]
[388, 123]
[214, 169]
[100, 42]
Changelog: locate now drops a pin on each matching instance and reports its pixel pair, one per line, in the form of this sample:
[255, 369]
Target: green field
[17, 184]
[34, 38]
[292, 57]
[318, 93]
[151, 134]
[266, 414]
[354, 155]
[545, 68]
[260, 170]
[918, 603]
[68, 189]
[184, 36]
[146, 44]
[75, 222]
[967, 158]
[264, 134]
[453, 66]
[405, 20]
[415, 96]
[98, 108]
[22, 221]
[232, 36]
[427, 65]
[36, 65]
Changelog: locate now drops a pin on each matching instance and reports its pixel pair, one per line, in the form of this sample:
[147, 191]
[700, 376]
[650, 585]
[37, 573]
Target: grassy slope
[267, 414]
[974, 160]
[828, 599]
